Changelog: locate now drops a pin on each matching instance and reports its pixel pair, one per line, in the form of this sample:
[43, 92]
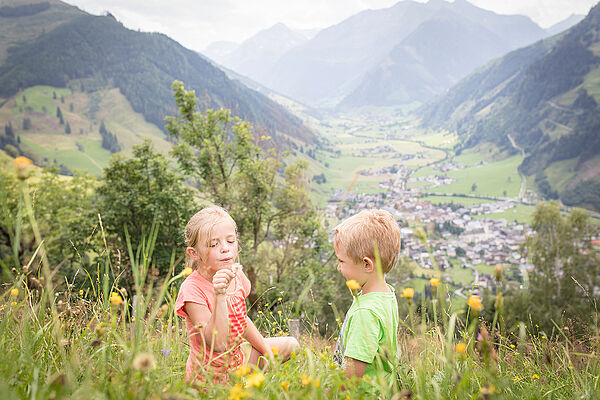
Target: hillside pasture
[497, 178]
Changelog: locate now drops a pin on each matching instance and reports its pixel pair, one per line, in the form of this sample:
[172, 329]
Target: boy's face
[349, 268]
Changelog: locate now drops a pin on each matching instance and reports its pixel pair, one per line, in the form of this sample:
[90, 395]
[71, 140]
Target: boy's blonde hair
[358, 235]
[199, 228]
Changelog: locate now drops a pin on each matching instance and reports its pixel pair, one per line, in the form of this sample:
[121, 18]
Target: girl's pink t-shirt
[196, 289]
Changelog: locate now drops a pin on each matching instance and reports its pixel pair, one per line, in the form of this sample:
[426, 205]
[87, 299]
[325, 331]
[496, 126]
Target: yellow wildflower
[237, 392]
[14, 292]
[115, 299]
[409, 293]
[81, 292]
[242, 371]
[256, 379]
[144, 362]
[516, 379]
[317, 383]
[352, 284]
[434, 282]
[275, 350]
[306, 379]
[475, 303]
[498, 272]
[187, 271]
[284, 386]
[22, 165]
[13, 303]
[461, 348]
[535, 376]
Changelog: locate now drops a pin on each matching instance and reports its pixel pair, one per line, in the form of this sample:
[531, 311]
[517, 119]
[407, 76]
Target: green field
[46, 140]
[465, 201]
[40, 100]
[498, 178]
[445, 140]
[521, 213]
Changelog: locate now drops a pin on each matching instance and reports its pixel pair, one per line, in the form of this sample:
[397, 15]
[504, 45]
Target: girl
[212, 300]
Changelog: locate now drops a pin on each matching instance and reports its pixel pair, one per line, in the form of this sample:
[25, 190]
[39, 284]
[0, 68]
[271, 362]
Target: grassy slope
[82, 148]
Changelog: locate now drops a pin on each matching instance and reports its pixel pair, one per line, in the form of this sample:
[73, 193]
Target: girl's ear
[369, 264]
[192, 253]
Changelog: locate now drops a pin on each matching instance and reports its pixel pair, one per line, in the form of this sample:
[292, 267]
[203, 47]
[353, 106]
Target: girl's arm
[207, 323]
[253, 336]
[214, 328]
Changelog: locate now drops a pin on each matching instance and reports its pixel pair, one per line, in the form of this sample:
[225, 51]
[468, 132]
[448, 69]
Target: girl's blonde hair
[199, 228]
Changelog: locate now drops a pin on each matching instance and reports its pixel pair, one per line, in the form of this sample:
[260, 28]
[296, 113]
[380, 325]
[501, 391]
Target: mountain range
[66, 47]
[402, 54]
[543, 100]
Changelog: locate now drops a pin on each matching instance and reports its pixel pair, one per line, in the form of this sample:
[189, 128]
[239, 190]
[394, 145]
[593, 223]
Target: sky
[198, 23]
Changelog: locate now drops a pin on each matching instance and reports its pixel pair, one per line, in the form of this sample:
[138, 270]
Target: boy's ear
[369, 264]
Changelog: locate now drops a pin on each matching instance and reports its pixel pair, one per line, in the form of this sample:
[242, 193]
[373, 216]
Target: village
[456, 239]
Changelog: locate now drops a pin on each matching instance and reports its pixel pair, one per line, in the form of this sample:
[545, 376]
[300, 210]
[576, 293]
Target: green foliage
[140, 192]
[67, 206]
[221, 154]
[566, 269]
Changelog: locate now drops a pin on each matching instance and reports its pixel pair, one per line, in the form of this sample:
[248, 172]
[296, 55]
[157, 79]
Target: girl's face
[223, 246]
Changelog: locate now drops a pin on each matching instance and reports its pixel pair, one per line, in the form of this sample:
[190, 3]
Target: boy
[367, 344]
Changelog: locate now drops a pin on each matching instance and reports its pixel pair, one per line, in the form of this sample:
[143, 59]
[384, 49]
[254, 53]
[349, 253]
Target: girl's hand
[222, 280]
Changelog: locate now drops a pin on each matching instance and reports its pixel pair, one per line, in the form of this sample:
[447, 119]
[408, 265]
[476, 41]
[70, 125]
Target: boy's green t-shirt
[369, 333]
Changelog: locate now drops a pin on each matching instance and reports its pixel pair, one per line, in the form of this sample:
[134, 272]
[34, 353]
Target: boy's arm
[354, 368]
[253, 336]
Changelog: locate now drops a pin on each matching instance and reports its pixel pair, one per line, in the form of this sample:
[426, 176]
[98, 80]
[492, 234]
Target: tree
[473, 187]
[8, 130]
[59, 116]
[566, 267]
[141, 191]
[222, 155]
[68, 129]
[26, 124]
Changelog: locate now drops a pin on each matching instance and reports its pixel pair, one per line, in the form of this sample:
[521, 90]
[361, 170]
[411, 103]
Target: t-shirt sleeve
[364, 333]
[245, 283]
[192, 293]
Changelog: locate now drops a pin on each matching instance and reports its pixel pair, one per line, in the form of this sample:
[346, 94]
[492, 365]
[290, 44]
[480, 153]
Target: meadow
[81, 150]
[97, 339]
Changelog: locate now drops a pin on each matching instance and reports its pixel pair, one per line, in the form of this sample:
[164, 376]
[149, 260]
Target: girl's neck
[208, 275]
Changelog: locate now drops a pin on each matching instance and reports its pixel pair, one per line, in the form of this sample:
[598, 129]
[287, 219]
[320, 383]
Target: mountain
[545, 98]
[439, 52]
[350, 55]
[220, 49]
[565, 24]
[91, 52]
[24, 21]
[255, 56]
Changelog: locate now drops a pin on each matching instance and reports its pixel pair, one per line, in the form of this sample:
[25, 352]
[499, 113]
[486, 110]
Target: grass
[521, 213]
[84, 112]
[40, 99]
[465, 201]
[59, 340]
[499, 178]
